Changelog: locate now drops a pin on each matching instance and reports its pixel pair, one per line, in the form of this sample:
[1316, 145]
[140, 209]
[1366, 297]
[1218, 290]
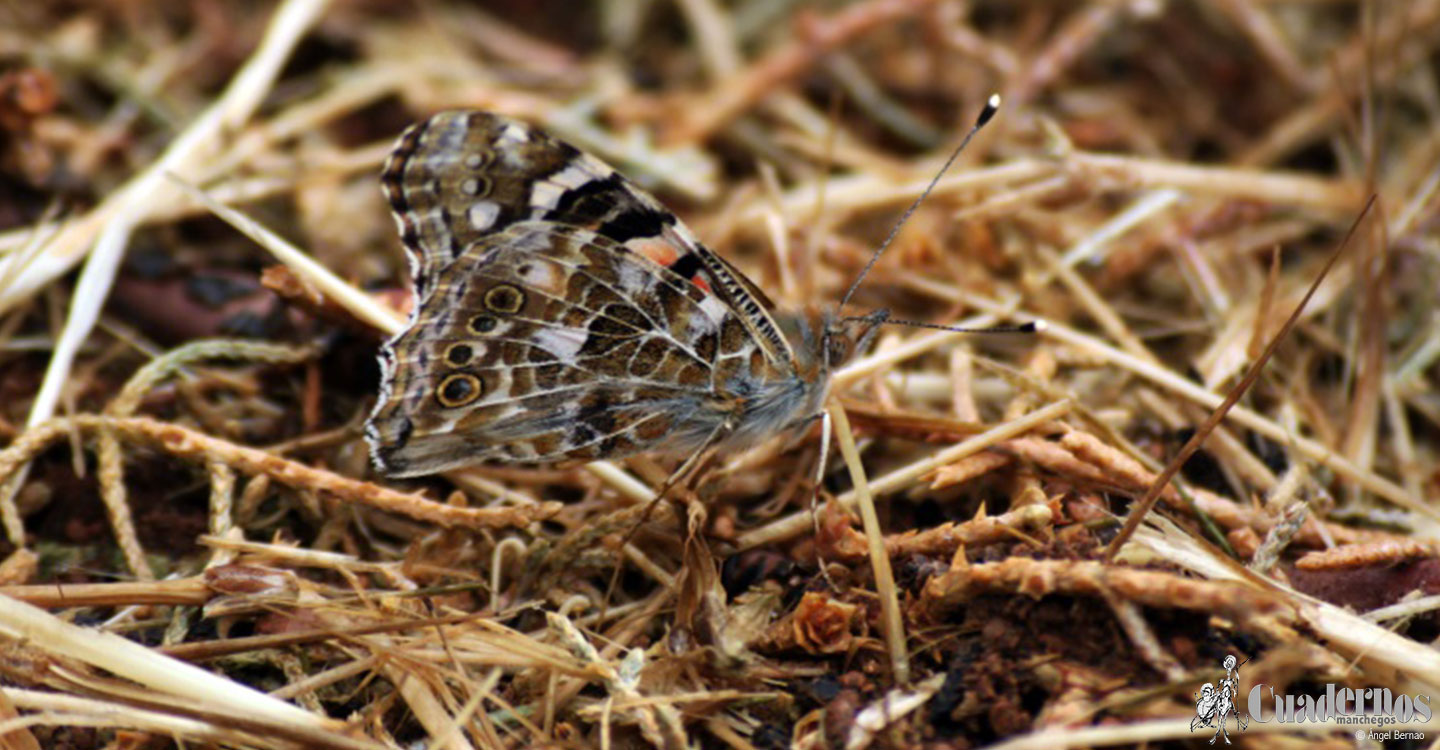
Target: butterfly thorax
[771, 399]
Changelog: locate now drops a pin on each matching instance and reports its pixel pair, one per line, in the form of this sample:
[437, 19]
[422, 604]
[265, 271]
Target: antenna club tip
[1037, 326]
[992, 105]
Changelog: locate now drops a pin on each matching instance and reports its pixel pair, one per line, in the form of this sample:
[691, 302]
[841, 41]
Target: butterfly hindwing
[545, 342]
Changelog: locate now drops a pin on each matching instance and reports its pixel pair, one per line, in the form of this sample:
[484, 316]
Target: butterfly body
[562, 313]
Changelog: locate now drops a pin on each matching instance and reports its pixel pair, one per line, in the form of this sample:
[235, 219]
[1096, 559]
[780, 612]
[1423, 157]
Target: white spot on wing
[714, 309]
[633, 279]
[482, 214]
[541, 276]
[702, 324]
[598, 170]
[546, 194]
[564, 343]
[573, 176]
[515, 132]
[449, 134]
[508, 146]
[687, 238]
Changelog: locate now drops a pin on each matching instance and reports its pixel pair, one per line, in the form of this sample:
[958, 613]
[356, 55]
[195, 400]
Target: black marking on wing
[741, 294]
[598, 415]
[592, 201]
[687, 265]
[637, 222]
[392, 183]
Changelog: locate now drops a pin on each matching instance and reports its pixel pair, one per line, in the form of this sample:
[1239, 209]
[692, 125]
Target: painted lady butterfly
[562, 313]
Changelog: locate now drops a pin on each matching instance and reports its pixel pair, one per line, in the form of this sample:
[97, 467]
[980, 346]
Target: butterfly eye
[505, 299]
[837, 349]
[459, 354]
[483, 323]
[458, 390]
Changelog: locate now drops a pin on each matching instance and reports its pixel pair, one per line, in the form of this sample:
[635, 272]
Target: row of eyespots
[462, 388]
[482, 214]
[504, 299]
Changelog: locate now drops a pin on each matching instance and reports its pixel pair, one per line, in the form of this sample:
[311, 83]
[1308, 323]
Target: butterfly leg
[689, 464]
[820, 465]
[825, 428]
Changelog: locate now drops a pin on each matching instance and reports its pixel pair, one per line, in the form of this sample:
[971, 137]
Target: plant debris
[195, 550]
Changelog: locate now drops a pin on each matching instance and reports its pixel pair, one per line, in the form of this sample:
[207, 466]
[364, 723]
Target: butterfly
[562, 313]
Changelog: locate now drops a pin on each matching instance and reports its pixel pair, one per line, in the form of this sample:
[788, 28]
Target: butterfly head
[823, 340]
[842, 337]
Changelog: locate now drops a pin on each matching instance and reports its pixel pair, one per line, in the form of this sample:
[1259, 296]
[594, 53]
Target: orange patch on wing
[702, 283]
[659, 251]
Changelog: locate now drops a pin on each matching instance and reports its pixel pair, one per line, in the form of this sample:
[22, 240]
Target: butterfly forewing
[460, 176]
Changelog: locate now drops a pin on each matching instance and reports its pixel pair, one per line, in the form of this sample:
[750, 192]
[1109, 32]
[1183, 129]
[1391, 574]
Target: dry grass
[197, 553]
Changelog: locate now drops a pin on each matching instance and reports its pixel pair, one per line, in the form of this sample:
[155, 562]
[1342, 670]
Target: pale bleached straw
[249, 87]
[1336, 196]
[43, 708]
[891, 621]
[1404, 609]
[246, 91]
[356, 302]
[1090, 250]
[25, 623]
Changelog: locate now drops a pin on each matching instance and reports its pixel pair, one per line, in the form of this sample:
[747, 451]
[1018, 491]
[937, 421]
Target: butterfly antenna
[1034, 326]
[991, 106]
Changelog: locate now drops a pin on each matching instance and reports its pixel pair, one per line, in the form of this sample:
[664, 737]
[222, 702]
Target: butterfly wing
[561, 312]
[546, 342]
[461, 176]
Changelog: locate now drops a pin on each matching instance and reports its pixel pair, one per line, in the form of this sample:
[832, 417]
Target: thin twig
[1147, 501]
